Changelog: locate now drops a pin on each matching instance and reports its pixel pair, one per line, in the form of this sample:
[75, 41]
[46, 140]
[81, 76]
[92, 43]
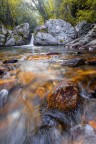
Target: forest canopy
[14, 12]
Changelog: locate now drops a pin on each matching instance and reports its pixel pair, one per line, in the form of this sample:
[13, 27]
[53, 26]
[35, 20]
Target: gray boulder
[83, 28]
[10, 42]
[60, 31]
[19, 35]
[45, 39]
[22, 30]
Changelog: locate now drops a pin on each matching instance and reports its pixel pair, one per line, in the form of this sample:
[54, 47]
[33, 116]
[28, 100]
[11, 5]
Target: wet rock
[65, 97]
[3, 97]
[8, 83]
[2, 70]
[10, 61]
[91, 62]
[53, 53]
[74, 62]
[92, 48]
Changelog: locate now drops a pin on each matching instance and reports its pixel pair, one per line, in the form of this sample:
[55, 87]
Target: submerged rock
[10, 61]
[3, 97]
[91, 61]
[65, 97]
[74, 62]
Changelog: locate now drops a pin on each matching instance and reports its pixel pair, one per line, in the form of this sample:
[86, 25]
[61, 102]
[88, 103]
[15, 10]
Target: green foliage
[13, 12]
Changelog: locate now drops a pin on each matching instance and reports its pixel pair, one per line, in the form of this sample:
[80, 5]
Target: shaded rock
[60, 32]
[65, 97]
[2, 70]
[83, 28]
[10, 42]
[53, 53]
[3, 34]
[10, 61]
[3, 97]
[91, 62]
[22, 30]
[85, 41]
[74, 62]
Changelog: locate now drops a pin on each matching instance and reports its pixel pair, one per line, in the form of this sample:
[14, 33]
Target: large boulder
[60, 31]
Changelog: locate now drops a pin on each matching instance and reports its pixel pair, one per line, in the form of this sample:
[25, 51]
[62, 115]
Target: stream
[25, 117]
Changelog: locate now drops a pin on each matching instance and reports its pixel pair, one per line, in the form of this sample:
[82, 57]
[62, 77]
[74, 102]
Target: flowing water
[25, 117]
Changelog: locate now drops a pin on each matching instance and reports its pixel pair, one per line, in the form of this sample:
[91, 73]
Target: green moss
[16, 37]
[61, 41]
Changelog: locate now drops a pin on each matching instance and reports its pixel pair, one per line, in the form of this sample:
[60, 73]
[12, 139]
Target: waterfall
[32, 40]
[32, 43]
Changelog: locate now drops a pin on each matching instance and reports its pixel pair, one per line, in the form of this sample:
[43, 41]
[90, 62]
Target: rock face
[19, 35]
[83, 28]
[65, 97]
[54, 32]
[88, 41]
[3, 33]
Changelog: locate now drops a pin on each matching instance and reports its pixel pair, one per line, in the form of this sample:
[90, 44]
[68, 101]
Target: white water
[32, 43]
[32, 40]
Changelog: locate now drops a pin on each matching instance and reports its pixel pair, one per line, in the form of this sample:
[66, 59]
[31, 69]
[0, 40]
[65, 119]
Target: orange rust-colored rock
[93, 124]
[39, 57]
[65, 97]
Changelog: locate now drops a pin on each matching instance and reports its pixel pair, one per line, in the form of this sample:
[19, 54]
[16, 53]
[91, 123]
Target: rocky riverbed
[48, 96]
